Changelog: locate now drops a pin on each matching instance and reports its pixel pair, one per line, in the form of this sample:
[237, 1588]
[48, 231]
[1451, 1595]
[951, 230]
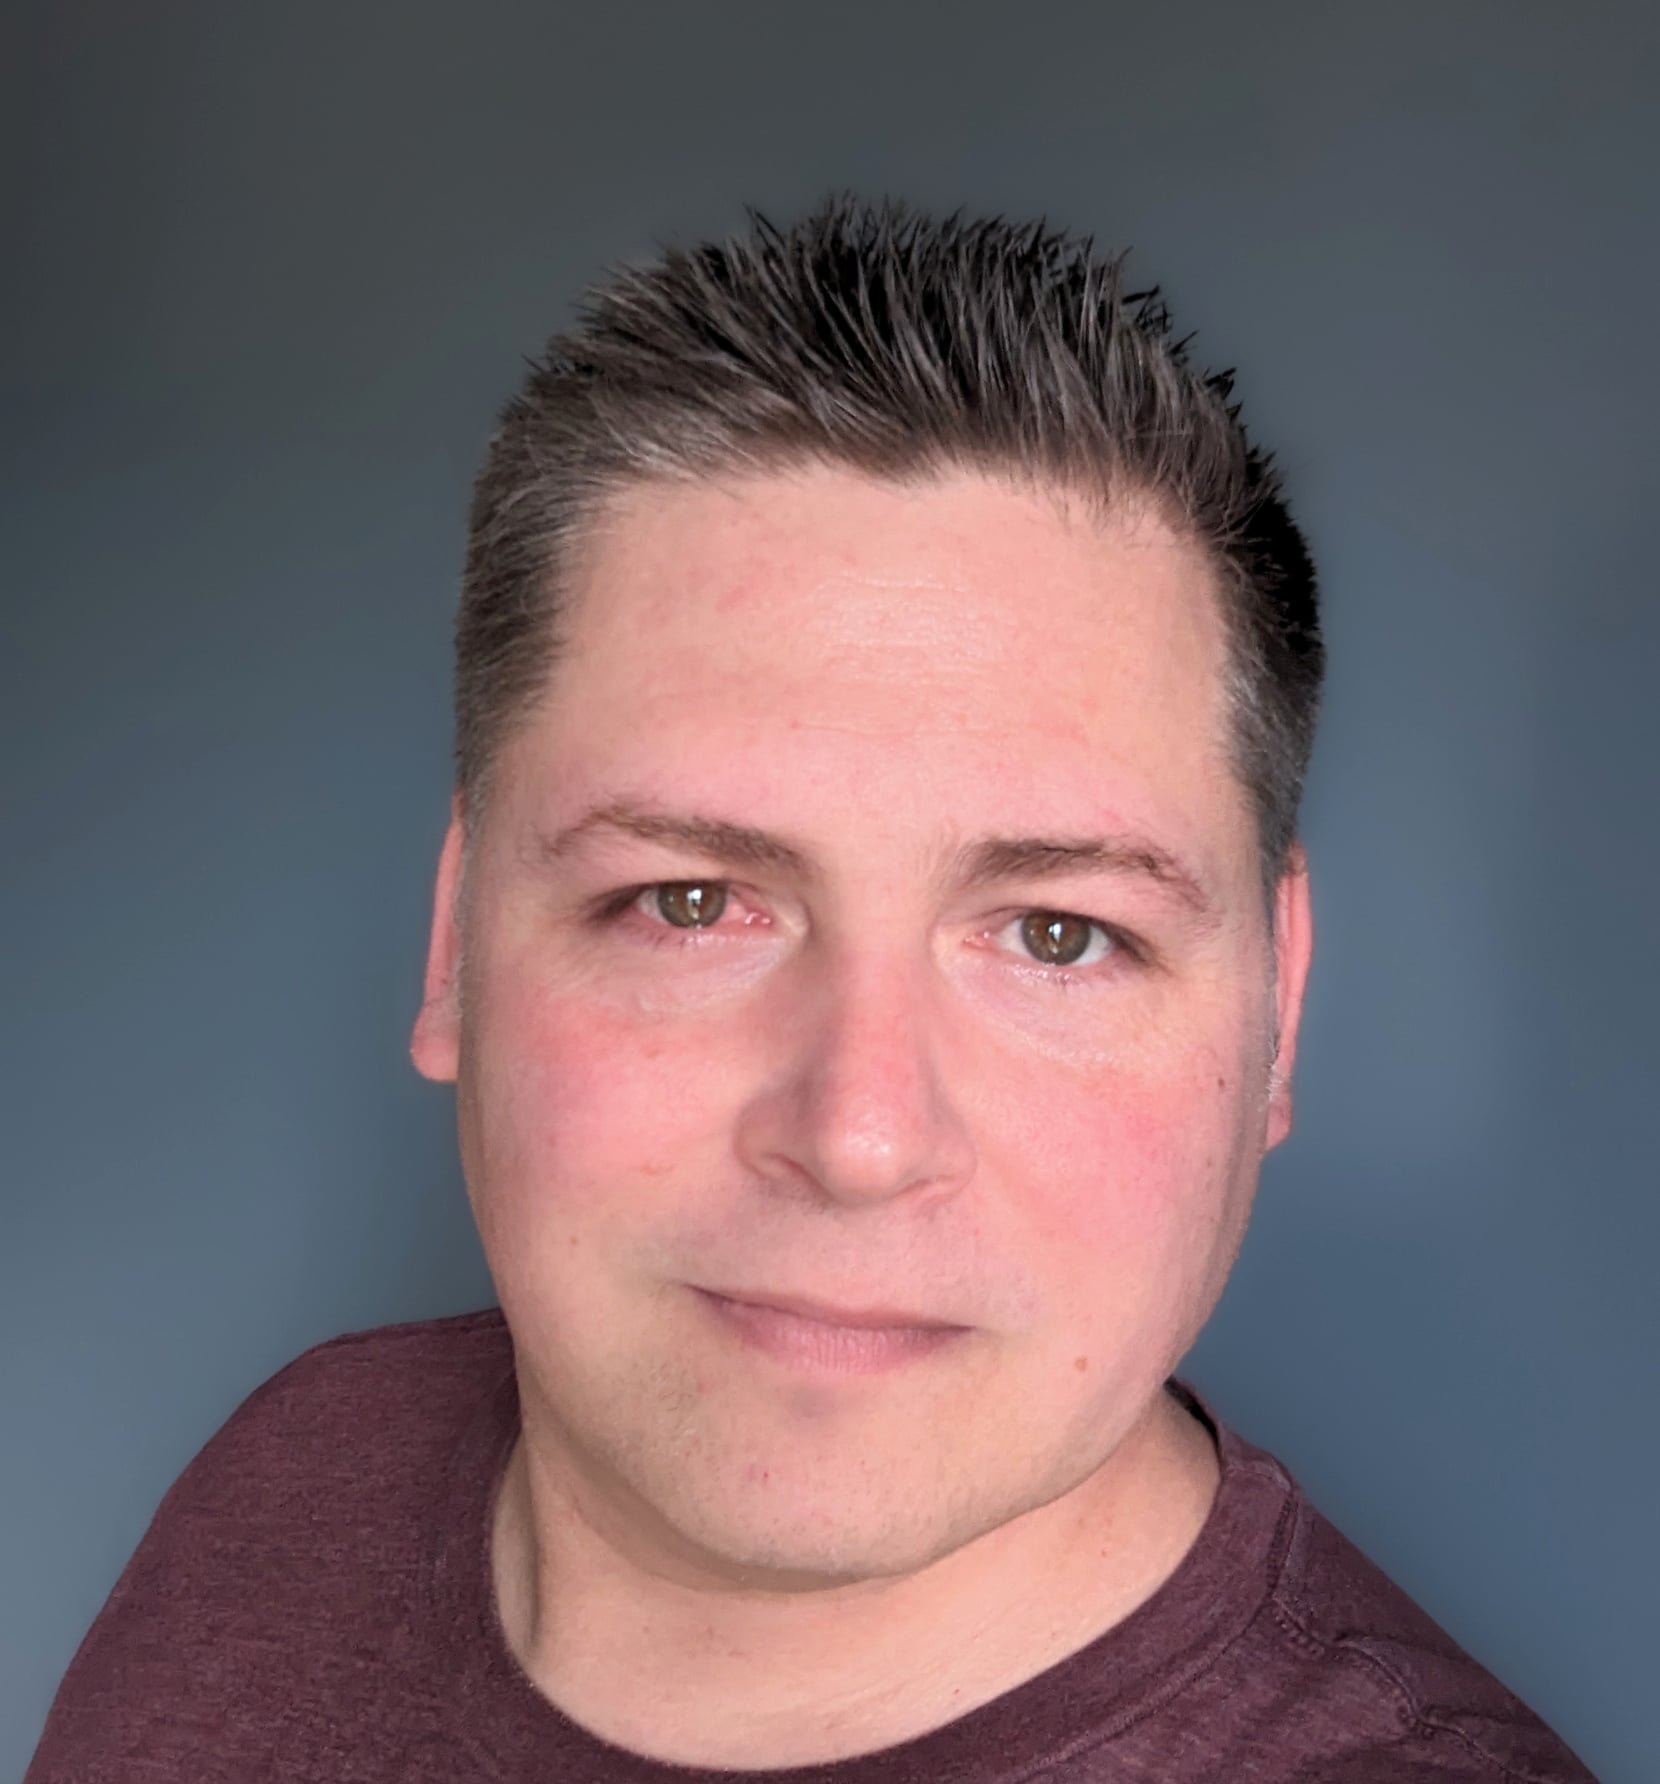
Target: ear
[436, 1044]
[1293, 949]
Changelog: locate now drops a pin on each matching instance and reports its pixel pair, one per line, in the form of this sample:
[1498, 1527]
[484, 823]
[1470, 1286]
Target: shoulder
[281, 1566]
[351, 1418]
[1396, 1695]
[391, 1376]
[353, 1436]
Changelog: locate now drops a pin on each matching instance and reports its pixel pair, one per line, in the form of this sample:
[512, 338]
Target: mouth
[818, 1338]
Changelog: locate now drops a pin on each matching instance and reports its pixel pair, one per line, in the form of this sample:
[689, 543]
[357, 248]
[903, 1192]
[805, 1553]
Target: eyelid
[612, 907]
[1123, 942]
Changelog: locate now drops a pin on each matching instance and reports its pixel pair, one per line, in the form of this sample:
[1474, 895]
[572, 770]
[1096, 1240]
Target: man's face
[867, 925]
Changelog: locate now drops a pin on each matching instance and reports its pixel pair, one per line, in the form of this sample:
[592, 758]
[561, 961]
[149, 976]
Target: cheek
[574, 1110]
[1132, 1186]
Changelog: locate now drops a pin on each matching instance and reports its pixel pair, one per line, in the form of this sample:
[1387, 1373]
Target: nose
[856, 1106]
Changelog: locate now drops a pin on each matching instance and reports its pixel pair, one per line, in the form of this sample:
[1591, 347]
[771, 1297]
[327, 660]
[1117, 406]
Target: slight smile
[813, 1336]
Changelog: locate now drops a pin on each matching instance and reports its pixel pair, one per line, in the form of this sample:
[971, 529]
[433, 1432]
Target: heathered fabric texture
[312, 1604]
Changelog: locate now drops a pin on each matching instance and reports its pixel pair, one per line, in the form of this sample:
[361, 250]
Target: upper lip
[805, 1307]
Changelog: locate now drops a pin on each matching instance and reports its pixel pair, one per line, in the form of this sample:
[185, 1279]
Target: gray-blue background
[268, 269]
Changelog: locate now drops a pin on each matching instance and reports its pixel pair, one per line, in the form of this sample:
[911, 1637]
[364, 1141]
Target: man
[868, 949]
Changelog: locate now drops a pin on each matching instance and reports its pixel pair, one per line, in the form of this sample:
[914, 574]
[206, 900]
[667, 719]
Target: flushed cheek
[583, 1113]
[1129, 1191]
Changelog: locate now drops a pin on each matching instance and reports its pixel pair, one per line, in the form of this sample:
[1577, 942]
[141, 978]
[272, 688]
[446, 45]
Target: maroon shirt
[313, 1604]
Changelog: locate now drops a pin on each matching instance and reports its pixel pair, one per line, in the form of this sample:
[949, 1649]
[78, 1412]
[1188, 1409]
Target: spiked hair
[873, 337]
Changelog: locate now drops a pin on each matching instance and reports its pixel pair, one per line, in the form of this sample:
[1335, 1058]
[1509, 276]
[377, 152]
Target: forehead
[994, 653]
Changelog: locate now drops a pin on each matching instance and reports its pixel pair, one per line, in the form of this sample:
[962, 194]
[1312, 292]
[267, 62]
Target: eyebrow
[982, 863]
[739, 844]
[1044, 857]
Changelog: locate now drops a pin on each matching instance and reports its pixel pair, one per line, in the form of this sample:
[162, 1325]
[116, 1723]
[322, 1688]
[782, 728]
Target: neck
[760, 1679]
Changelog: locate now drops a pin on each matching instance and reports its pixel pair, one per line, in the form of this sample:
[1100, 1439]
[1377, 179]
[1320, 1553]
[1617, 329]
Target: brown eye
[1054, 938]
[691, 904]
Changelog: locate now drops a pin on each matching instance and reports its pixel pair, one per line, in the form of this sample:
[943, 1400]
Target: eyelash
[611, 910]
[1122, 949]
[614, 907]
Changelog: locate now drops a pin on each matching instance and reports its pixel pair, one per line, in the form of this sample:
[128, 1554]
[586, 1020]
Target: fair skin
[850, 1200]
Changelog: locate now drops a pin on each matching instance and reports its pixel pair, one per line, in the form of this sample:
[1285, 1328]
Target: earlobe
[435, 1045]
[1293, 950]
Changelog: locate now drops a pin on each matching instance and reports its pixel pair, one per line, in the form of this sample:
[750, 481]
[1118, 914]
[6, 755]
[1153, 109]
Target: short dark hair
[878, 338]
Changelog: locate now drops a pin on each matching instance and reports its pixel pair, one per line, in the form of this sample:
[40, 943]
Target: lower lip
[818, 1345]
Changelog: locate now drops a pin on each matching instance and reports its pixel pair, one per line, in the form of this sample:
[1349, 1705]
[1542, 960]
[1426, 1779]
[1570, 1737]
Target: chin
[816, 1547]
[815, 1524]
[758, 1481]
